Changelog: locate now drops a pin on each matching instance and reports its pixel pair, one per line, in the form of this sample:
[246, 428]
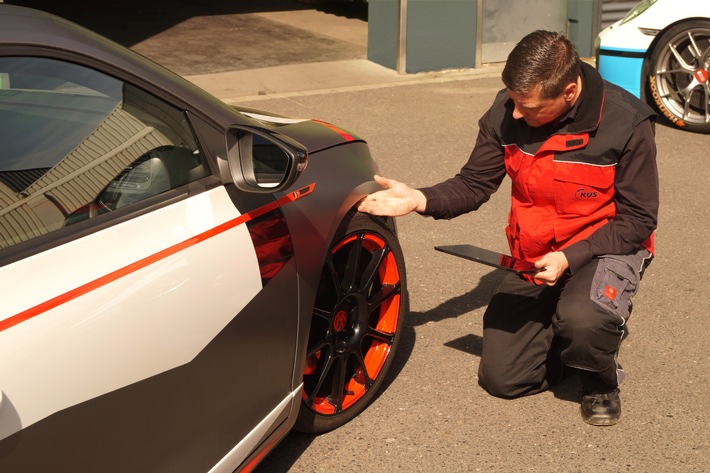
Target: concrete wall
[425, 35]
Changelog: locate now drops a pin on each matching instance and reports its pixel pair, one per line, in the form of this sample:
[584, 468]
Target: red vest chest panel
[563, 184]
[556, 202]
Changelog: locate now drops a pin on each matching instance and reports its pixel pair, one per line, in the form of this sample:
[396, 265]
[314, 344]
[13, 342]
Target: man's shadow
[567, 389]
[474, 299]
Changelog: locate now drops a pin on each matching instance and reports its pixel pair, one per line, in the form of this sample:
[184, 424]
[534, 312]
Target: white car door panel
[122, 304]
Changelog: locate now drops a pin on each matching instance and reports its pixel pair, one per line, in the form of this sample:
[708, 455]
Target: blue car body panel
[622, 67]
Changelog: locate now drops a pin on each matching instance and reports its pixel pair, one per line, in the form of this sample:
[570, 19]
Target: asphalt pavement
[432, 416]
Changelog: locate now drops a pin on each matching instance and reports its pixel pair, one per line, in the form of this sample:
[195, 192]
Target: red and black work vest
[563, 184]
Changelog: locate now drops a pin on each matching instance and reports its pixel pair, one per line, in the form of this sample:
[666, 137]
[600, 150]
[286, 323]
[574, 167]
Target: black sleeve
[636, 199]
[478, 179]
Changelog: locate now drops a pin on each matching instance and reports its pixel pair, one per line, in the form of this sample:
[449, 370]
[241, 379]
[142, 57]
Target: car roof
[22, 25]
[26, 31]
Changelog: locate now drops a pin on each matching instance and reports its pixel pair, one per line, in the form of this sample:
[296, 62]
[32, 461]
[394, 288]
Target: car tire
[678, 84]
[356, 325]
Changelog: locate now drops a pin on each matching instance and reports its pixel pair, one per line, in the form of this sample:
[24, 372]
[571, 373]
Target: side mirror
[262, 160]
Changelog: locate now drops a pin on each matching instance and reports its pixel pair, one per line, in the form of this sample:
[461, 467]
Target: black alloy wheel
[357, 320]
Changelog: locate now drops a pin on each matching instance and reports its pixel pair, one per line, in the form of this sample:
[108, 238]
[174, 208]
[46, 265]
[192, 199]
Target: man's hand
[553, 266]
[396, 200]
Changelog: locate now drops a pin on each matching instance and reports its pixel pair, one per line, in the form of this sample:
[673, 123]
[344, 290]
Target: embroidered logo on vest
[583, 193]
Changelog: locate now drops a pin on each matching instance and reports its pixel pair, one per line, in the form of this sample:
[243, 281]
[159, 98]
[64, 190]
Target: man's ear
[570, 91]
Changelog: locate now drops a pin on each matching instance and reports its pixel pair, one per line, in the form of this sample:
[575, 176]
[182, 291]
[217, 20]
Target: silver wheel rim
[681, 76]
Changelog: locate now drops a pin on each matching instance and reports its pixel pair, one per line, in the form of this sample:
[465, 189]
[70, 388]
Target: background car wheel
[678, 81]
[356, 324]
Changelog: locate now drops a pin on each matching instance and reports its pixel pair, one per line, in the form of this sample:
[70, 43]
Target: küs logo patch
[583, 193]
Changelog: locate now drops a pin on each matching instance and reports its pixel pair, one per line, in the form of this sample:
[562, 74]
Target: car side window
[77, 143]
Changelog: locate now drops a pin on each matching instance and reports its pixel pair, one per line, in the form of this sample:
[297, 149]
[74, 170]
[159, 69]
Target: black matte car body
[93, 376]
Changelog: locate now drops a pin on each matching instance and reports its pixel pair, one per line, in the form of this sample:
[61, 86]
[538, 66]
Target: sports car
[183, 282]
[660, 52]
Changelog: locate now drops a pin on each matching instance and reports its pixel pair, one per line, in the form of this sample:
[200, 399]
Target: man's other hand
[552, 266]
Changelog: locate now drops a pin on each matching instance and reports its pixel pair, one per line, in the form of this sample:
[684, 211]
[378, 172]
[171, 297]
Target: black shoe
[601, 409]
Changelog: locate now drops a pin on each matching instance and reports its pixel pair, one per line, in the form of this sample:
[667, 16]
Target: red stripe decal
[336, 129]
[147, 261]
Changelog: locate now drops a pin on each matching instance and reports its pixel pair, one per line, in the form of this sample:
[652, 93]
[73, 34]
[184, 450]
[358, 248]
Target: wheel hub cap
[339, 321]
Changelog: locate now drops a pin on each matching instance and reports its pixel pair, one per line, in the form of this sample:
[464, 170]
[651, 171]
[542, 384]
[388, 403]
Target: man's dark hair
[542, 58]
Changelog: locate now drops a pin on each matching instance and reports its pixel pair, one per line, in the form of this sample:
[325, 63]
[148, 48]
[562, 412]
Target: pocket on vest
[582, 189]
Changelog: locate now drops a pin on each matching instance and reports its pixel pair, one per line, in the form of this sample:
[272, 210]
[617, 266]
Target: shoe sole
[601, 421]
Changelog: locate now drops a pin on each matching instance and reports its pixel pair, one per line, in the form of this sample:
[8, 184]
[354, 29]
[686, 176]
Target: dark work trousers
[530, 331]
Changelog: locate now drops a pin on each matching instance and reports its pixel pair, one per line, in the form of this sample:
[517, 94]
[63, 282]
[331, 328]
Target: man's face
[537, 111]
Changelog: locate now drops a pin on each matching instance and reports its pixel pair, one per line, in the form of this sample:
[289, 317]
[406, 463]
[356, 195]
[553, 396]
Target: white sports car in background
[660, 52]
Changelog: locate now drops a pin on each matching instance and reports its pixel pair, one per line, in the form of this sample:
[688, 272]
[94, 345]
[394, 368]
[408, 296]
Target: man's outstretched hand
[395, 200]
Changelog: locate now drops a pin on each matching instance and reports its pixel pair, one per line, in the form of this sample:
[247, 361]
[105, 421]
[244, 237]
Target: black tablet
[491, 258]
